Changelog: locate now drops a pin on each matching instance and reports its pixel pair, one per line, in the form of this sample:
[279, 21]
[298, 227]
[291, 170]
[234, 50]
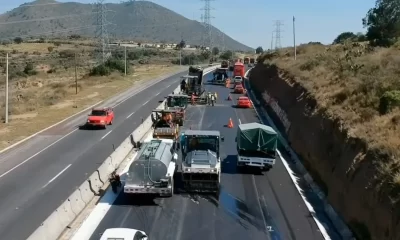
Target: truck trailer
[152, 171]
[238, 69]
[201, 164]
[256, 146]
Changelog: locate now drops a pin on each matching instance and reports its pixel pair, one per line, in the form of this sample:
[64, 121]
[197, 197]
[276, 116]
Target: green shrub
[109, 66]
[388, 101]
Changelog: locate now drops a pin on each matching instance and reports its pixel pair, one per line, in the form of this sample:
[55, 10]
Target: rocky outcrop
[343, 166]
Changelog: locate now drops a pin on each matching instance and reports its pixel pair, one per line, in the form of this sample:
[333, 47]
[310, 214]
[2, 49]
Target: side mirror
[160, 101]
[222, 138]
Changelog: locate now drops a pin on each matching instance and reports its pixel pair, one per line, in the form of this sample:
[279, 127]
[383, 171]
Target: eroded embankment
[344, 167]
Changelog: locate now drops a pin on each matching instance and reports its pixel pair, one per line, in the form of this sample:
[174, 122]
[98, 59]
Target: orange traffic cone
[229, 97]
[230, 124]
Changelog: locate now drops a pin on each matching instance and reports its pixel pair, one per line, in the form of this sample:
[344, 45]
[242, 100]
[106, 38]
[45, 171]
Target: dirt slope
[345, 166]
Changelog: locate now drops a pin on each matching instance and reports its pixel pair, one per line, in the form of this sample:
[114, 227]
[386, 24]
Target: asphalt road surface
[37, 176]
[250, 206]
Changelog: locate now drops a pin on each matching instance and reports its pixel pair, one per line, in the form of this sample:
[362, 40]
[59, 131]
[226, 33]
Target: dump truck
[238, 69]
[256, 146]
[153, 169]
[220, 76]
[201, 164]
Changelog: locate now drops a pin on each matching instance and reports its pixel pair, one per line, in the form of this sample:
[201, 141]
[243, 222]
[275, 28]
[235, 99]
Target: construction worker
[209, 98]
[192, 98]
[216, 95]
[213, 98]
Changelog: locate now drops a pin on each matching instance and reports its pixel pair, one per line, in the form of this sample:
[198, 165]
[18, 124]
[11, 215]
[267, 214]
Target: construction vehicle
[166, 123]
[201, 164]
[238, 69]
[252, 60]
[153, 169]
[220, 76]
[178, 102]
[246, 60]
[256, 146]
[224, 64]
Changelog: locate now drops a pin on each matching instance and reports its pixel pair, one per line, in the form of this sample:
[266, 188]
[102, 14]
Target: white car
[123, 234]
[238, 79]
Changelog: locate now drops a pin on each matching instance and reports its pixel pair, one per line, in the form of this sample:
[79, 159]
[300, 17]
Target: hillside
[141, 21]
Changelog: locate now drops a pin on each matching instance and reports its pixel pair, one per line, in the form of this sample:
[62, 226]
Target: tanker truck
[152, 171]
[256, 146]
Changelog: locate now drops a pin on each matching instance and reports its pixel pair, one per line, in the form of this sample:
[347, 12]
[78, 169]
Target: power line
[207, 22]
[278, 24]
[101, 31]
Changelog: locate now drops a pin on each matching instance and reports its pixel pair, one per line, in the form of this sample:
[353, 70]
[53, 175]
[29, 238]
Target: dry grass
[41, 48]
[348, 80]
[44, 103]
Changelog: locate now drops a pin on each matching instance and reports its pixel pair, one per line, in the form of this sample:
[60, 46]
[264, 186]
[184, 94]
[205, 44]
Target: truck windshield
[202, 143]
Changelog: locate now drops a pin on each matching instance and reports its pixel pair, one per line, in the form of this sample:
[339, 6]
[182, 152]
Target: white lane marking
[34, 155]
[240, 122]
[145, 102]
[259, 205]
[169, 85]
[158, 93]
[56, 176]
[106, 135]
[130, 115]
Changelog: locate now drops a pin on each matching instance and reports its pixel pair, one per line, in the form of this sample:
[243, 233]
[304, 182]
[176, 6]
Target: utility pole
[294, 38]
[76, 75]
[6, 117]
[101, 31]
[278, 31]
[207, 22]
[272, 41]
[125, 61]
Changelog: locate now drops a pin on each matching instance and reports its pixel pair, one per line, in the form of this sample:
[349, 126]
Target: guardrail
[335, 219]
[66, 213]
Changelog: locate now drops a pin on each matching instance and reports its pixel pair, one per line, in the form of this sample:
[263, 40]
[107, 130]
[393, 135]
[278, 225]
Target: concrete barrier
[59, 220]
[336, 220]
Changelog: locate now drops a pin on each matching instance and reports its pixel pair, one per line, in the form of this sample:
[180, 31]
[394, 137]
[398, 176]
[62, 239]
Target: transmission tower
[278, 24]
[207, 23]
[101, 31]
[203, 41]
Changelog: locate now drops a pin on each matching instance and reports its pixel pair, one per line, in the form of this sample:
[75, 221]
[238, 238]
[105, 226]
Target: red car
[100, 117]
[244, 102]
[239, 89]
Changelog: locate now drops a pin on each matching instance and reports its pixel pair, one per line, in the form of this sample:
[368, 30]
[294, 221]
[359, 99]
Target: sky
[251, 22]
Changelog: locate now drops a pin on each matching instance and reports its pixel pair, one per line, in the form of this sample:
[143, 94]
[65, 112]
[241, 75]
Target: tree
[181, 44]
[383, 22]
[18, 40]
[341, 38]
[215, 51]
[226, 55]
[206, 54]
[259, 50]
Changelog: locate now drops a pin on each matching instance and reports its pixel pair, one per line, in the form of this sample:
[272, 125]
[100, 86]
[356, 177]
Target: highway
[250, 206]
[38, 175]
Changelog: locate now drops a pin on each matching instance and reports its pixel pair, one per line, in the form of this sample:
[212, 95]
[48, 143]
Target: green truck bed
[256, 137]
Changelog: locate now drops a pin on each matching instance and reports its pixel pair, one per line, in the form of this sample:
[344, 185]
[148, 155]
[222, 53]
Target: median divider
[65, 214]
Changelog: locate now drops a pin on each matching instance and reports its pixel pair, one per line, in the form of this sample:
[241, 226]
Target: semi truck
[238, 69]
[152, 171]
[256, 146]
[201, 164]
